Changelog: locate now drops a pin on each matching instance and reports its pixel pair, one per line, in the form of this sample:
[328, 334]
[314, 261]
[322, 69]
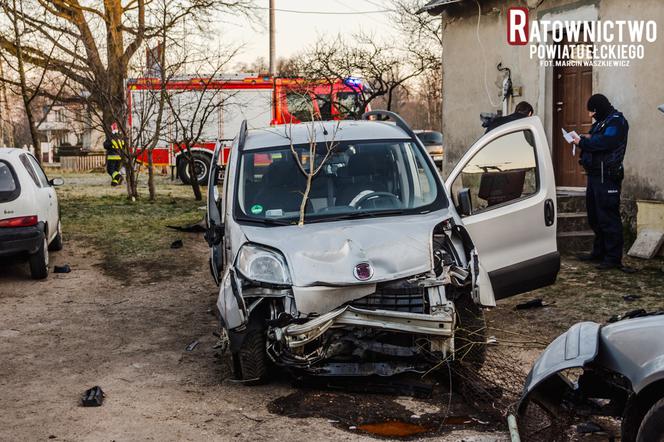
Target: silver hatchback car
[339, 251]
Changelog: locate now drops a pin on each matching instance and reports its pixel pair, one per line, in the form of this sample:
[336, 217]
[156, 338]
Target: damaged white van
[339, 251]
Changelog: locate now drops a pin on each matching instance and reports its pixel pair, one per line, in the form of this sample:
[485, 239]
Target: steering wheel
[375, 196]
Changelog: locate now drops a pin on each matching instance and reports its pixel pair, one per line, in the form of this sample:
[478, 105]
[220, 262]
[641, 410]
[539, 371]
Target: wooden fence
[83, 163]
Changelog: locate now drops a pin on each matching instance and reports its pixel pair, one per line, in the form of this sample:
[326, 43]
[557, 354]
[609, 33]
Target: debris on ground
[62, 269]
[93, 397]
[647, 244]
[192, 346]
[198, 227]
[588, 428]
[628, 270]
[630, 298]
[533, 303]
[630, 314]
[177, 244]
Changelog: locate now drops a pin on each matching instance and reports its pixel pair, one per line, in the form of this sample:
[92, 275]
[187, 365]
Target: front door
[571, 89]
[512, 218]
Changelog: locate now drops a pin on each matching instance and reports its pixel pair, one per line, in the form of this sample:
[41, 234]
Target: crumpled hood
[327, 253]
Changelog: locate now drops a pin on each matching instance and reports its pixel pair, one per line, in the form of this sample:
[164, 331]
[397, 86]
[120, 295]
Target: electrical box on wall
[517, 91]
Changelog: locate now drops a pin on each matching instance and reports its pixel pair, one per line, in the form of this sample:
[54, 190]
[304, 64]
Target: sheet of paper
[569, 136]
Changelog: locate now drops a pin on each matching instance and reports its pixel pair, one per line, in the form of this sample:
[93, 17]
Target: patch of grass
[127, 234]
[583, 293]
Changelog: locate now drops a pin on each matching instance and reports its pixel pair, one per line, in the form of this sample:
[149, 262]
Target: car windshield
[354, 180]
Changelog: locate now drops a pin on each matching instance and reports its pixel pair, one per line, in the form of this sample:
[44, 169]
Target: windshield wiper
[268, 221]
[355, 215]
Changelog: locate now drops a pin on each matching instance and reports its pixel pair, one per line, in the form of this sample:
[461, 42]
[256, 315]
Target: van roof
[325, 131]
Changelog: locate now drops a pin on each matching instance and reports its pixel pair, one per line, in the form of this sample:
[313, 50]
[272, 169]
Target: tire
[201, 164]
[56, 244]
[652, 425]
[251, 361]
[470, 334]
[183, 174]
[39, 261]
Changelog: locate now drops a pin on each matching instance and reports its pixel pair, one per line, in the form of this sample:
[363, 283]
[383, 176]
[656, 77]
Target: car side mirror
[55, 182]
[465, 207]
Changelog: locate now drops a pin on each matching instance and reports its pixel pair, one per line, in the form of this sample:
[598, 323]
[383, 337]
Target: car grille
[396, 299]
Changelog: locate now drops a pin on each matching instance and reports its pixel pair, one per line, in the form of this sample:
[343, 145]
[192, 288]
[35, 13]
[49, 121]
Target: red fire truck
[262, 101]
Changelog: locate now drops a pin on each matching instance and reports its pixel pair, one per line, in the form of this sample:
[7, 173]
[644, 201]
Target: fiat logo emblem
[363, 271]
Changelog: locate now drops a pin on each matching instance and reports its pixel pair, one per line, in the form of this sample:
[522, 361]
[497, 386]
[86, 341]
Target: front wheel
[201, 168]
[251, 362]
[470, 334]
[652, 426]
[39, 261]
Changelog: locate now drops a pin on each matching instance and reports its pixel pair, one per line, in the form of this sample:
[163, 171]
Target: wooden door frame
[545, 102]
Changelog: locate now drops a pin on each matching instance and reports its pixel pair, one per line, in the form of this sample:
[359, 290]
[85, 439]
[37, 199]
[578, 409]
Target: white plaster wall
[637, 90]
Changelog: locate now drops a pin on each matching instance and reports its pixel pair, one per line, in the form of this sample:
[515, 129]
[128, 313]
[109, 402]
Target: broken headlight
[261, 264]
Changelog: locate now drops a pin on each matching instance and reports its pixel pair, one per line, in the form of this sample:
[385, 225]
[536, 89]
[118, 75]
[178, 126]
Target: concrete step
[571, 203]
[575, 242]
[572, 222]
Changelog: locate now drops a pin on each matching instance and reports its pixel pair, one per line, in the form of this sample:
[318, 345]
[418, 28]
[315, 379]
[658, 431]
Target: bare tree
[110, 34]
[307, 161]
[29, 83]
[424, 32]
[6, 126]
[195, 114]
[383, 68]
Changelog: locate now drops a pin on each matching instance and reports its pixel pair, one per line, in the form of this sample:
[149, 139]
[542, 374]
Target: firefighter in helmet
[113, 146]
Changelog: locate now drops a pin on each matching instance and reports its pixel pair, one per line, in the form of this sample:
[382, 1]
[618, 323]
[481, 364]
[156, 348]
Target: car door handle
[549, 212]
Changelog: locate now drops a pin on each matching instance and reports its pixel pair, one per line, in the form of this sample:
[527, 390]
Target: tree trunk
[33, 130]
[305, 198]
[132, 178]
[151, 188]
[25, 93]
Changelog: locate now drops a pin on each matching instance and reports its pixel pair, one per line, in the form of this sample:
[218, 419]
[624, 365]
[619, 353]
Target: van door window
[504, 171]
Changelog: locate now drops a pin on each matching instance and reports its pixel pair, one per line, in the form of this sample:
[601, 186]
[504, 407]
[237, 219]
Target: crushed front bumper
[438, 325]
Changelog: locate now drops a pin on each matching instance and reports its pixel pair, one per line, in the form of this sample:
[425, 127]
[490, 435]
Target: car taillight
[21, 221]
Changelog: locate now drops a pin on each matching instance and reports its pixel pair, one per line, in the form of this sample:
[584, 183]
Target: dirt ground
[128, 334]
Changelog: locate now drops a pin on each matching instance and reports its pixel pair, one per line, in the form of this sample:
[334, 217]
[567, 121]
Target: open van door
[214, 234]
[505, 192]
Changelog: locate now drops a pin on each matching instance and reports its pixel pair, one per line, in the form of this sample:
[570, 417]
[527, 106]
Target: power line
[294, 11]
[378, 5]
[375, 20]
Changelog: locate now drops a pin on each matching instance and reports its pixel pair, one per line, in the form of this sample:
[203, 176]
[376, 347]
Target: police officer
[602, 154]
[113, 146]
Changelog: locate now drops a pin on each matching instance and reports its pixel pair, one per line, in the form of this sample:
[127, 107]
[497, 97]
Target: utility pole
[273, 60]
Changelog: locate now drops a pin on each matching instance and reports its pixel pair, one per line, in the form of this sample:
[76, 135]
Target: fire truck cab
[260, 100]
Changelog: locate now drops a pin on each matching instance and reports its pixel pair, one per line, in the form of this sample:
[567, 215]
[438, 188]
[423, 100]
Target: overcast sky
[296, 31]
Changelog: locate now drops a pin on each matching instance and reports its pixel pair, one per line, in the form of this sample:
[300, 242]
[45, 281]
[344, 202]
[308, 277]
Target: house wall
[472, 84]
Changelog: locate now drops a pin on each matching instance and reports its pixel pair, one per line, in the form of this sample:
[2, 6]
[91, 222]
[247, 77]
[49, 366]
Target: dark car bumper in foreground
[17, 240]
